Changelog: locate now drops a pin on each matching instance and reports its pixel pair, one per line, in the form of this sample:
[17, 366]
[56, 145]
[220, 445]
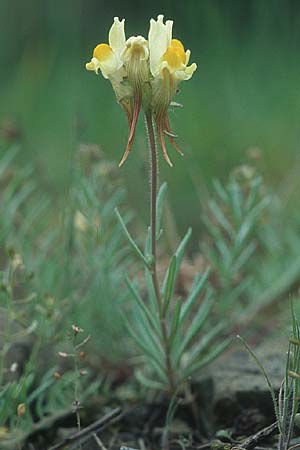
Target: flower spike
[144, 74]
[169, 66]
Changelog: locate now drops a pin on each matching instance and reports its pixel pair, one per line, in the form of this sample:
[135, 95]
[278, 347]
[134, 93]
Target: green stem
[153, 222]
[7, 327]
[76, 388]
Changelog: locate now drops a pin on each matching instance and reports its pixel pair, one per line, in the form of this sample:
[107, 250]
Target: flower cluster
[144, 74]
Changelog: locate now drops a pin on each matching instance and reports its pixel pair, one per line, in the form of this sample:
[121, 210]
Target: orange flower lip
[175, 57]
[177, 43]
[102, 52]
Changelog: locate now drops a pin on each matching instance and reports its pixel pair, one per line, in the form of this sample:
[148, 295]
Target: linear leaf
[196, 325]
[207, 359]
[175, 322]
[147, 249]
[181, 248]
[236, 200]
[220, 190]
[225, 251]
[254, 189]
[139, 301]
[151, 384]
[202, 346]
[145, 349]
[244, 257]
[195, 292]
[179, 256]
[147, 334]
[130, 239]
[151, 292]
[7, 159]
[220, 217]
[249, 220]
[170, 283]
[159, 207]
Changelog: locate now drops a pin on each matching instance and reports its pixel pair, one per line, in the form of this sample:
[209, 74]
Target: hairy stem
[153, 223]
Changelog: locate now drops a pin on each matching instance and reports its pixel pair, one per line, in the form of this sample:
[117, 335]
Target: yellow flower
[136, 50]
[107, 57]
[168, 65]
[135, 58]
[125, 64]
[168, 53]
[144, 73]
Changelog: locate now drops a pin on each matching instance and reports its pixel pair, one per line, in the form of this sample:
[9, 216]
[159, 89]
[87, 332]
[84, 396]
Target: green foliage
[242, 238]
[288, 401]
[44, 399]
[58, 267]
[250, 245]
[169, 334]
[28, 317]
[244, 93]
[22, 207]
[287, 404]
[232, 221]
[97, 259]
[65, 265]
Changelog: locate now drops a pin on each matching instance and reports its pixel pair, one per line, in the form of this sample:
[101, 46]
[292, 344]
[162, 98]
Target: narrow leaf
[202, 346]
[170, 283]
[236, 201]
[220, 217]
[7, 159]
[141, 304]
[249, 220]
[207, 359]
[151, 292]
[159, 207]
[195, 292]
[196, 325]
[220, 191]
[146, 333]
[147, 250]
[175, 322]
[130, 239]
[145, 349]
[150, 384]
[179, 256]
[254, 190]
[244, 257]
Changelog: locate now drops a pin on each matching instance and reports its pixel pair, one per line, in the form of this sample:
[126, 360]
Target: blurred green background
[244, 95]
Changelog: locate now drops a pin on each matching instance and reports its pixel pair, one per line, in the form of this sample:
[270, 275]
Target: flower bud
[21, 410]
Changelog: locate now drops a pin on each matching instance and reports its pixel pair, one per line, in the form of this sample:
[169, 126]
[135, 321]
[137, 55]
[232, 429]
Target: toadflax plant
[145, 75]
